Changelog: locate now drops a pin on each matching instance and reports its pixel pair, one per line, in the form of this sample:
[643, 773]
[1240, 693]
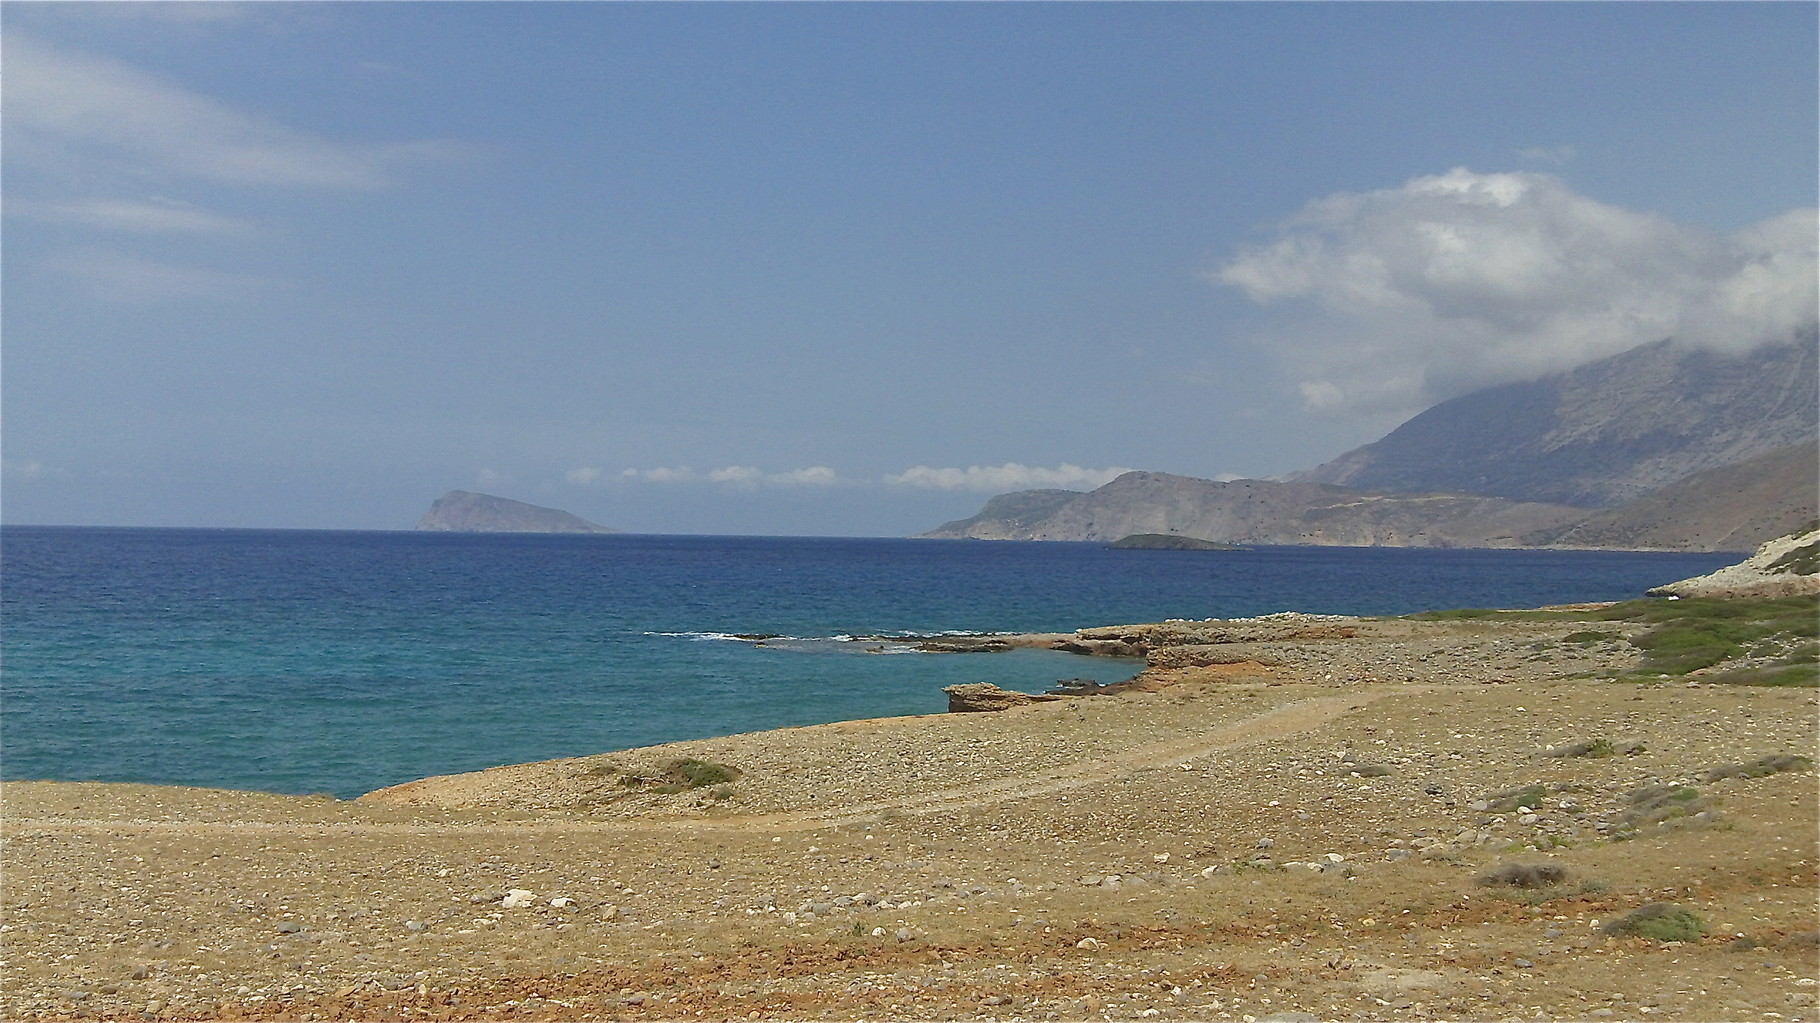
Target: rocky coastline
[1290, 817]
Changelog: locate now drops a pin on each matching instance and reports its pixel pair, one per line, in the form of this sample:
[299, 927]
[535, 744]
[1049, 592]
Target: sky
[845, 269]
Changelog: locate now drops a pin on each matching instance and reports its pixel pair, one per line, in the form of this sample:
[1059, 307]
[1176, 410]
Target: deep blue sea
[300, 661]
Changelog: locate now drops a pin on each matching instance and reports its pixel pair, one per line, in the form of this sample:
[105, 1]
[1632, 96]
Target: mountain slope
[1007, 514]
[1601, 434]
[1268, 512]
[1732, 508]
[460, 511]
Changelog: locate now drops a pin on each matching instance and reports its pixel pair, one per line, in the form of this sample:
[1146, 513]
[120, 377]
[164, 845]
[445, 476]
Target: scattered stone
[289, 927]
[517, 898]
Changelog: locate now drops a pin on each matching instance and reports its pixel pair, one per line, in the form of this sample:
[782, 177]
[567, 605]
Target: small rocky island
[1169, 542]
[460, 511]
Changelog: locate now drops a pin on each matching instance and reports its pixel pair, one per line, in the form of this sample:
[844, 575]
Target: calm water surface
[299, 661]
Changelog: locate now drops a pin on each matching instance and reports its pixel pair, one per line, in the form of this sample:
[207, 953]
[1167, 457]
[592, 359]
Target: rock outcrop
[976, 697]
[1787, 566]
[460, 511]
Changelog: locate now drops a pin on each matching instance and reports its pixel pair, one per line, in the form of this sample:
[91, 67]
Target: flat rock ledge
[975, 697]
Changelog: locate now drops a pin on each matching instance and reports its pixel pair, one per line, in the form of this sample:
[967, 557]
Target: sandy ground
[1302, 832]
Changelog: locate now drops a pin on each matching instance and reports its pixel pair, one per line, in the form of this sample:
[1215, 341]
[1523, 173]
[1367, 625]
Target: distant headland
[1169, 542]
[460, 511]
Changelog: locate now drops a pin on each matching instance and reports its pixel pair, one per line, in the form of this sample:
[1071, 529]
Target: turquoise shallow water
[299, 661]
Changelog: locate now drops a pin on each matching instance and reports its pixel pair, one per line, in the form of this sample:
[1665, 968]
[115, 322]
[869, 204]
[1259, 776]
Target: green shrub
[1510, 799]
[1584, 748]
[1659, 921]
[1526, 875]
[683, 775]
[1689, 635]
[697, 773]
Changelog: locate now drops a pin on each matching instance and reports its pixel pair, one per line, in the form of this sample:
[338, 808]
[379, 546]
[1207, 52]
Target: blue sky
[845, 268]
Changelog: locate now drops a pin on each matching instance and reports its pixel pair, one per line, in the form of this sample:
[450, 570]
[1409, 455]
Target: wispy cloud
[71, 108]
[123, 277]
[146, 217]
[743, 476]
[996, 479]
[1399, 298]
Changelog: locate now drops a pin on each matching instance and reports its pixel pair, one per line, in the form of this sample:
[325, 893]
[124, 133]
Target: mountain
[1269, 512]
[1731, 508]
[460, 511]
[1602, 434]
[1006, 515]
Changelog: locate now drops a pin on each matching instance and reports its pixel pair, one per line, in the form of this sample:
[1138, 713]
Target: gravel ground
[1301, 825]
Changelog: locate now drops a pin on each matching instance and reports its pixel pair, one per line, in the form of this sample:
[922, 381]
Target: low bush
[1510, 799]
[1761, 767]
[1688, 635]
[1527, 875]
[1659, 921]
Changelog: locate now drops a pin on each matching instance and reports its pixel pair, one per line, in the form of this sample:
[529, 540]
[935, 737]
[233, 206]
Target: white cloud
[744, 476]
[813, 476]
[126, 278]
[1403, 297]
[69, 109]
[490, 477]
[584, 476]
[737, 474]
[679, 474]
[997, 479]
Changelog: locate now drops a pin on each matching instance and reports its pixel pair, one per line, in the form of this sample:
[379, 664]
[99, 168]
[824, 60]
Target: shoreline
[1298, 816]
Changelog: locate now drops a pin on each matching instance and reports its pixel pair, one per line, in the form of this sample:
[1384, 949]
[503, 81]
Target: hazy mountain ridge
[1270, 512]
[461, 511]
[1662, 447]
[1602, 434]
[1004, 515]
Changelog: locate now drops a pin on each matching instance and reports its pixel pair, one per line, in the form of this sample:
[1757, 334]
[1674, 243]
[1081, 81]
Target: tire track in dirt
[1290, 719]
[1301, 716]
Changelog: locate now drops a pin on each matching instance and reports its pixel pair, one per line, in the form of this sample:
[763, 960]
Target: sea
[338, 662]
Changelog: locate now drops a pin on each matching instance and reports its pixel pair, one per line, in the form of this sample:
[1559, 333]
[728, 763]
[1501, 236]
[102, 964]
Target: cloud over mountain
[1399, 298]
[992, 479]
